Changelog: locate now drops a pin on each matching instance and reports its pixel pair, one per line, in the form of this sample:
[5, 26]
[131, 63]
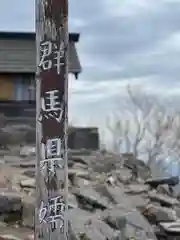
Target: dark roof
[74, 37]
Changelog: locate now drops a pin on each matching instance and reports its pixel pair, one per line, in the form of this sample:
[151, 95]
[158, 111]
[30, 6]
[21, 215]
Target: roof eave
[74, 37]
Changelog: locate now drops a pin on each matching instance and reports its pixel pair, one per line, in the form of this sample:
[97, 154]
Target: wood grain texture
[52, 119]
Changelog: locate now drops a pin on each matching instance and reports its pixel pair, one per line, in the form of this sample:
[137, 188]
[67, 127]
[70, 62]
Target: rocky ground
[109, 203]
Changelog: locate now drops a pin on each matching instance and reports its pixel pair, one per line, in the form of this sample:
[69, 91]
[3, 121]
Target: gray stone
[103, 163]
[27, 151]
[133, 222]
[30, 136]
[3, 224]
[30, 164]
[11, 136]
[89, 199]
[123, 175]
[89, 227]
[30, 173]
[9, 237]
[3, 151]
[138, 201]
[12, 159]
[79, 159]
[165, 189]
[143, 171]
[72, 202]
[171, 227]
[10, 202]
[81, 182]
[16, 233]
[163, 199]
[171, 181]
[28, 183]
[79, 173]
[161, 214]
[137, 189]
[80, 166]
[177, 209]
[28, 211]
[117, 195]
[4, 139]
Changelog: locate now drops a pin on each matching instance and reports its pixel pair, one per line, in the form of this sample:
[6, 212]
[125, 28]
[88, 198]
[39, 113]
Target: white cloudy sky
[122, 41]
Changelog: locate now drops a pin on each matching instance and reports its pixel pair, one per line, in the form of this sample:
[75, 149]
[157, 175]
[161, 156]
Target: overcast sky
[122, 41]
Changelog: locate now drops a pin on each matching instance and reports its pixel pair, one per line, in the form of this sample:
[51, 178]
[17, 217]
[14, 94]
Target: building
[18, 67]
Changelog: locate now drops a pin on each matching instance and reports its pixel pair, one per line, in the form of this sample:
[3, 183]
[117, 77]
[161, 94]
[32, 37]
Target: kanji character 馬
[51, 106]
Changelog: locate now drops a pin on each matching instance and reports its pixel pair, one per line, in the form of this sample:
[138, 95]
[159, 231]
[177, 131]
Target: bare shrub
[147, 128]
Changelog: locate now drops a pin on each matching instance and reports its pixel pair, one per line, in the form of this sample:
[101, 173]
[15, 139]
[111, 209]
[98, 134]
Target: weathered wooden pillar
[52, 119]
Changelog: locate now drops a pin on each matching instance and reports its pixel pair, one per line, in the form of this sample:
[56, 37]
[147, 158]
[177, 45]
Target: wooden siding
[19, 56]
[6, 88]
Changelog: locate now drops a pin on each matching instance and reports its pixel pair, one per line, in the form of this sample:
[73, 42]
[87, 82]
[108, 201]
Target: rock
[4, 139]
[72, 202]
[30, 164]
[12, 136]
[79, 159]
[177, 209]
[73, 175]
[165, 189]
[30, 136]
[30, 173]
[123, 175]
[133, 219]
[15, 233]
[29, 237]
[3, 151]
[156, 214]
[8, 177]
[89, 226]
[79, 173]
[89, 199]
[171, 181]
[3, 120]
[137, 189]
[172, 228]
[143, 171]
[117, 195]
[79, 166]
[9, 237]
[114, 194]
[10, 202]
[28, 183]
[12, 159]
[3, 224]
[79, 152]
[27, 151]
[82, 182]
[97, 162]
[101, 197]
[138, 201]
[28, 211]
[163, 199]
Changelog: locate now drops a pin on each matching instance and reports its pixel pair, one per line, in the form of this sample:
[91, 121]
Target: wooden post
[52, 119]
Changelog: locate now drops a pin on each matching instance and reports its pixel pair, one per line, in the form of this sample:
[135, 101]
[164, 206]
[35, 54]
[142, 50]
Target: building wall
[17, 87]
[19, 55]
[87, 138]
[6, 88]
